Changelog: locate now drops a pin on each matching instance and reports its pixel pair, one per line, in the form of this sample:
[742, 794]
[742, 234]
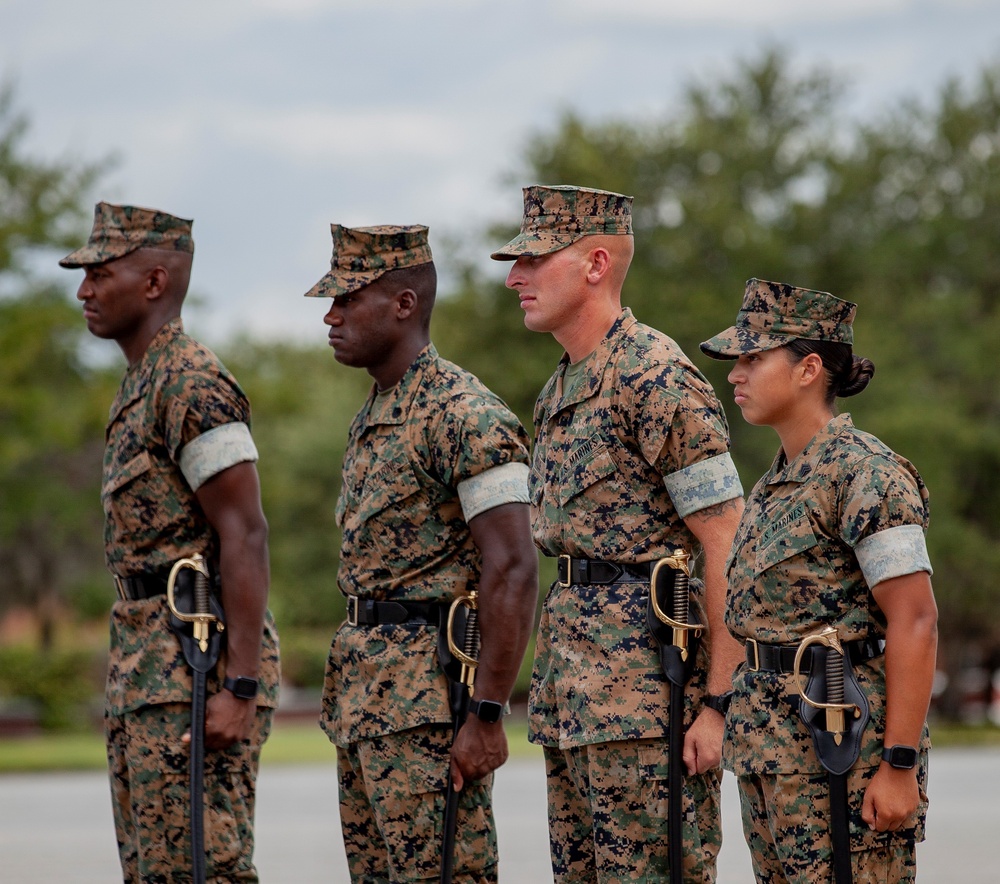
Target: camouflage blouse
[621, 457]
[817, 533]
[175, 395]
[405, 537]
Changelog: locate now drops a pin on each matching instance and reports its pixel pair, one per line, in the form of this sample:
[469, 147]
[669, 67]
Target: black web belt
[368, 612]
[584, 572]
[763, 657]
[140, 586]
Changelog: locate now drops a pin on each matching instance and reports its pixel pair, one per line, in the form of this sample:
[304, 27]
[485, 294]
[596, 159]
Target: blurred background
[852, 147]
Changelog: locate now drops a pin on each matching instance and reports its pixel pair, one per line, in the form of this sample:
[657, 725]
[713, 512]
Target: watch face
[904, 757]
[487, 710]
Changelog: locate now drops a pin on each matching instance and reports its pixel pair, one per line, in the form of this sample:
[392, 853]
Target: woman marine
[830, 552]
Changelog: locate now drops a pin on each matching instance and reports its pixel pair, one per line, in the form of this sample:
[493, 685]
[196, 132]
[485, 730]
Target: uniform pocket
[125, 473]
[585, 466]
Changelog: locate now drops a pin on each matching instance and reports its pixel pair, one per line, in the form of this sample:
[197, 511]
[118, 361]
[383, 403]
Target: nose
[333, 316]
[516, 275]
[736, 375]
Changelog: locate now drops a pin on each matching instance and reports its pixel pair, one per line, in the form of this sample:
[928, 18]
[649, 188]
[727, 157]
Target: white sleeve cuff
[893, 553]
[704, 484]
[507, 483]
[216, 450]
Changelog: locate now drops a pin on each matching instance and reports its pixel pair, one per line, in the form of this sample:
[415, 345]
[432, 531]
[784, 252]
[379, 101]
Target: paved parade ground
[57, 827]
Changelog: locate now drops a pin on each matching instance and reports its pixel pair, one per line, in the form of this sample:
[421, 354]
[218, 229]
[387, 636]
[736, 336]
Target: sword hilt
[465, 651]
[678, 619]
[834, 707]
[201, 617]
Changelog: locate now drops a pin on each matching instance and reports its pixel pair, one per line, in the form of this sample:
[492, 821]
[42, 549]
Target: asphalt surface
[58, 828]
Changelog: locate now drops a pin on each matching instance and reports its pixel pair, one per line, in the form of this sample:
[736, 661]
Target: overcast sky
[265, 120]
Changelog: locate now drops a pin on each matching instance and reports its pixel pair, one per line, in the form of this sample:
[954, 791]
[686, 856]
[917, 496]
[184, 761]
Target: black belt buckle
[564, 564]
[352, 610]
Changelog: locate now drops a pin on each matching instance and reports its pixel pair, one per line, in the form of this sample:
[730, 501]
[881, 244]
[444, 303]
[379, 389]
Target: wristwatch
[718, 702]
[902, 757]
[489, 711]
[242, 686]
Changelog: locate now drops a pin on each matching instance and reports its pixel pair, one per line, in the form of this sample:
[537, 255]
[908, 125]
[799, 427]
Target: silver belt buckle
[564, 562]
[120, 588]
[352, 610]
[755, 666]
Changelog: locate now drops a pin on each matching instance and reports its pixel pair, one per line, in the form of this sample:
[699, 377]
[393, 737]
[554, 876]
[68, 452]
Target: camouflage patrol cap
[555, 217]
[774, 313]
[119, 230]
[363, 254]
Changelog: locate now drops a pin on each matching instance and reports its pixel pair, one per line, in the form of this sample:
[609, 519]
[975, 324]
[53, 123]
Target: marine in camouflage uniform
[179, 477]
[832, 536]
[433, 505]
[630, 462]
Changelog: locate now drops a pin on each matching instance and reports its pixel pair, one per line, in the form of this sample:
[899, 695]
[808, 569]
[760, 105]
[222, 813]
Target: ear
[406, 303]
[156, 282]
[598, 264]
[811, 369]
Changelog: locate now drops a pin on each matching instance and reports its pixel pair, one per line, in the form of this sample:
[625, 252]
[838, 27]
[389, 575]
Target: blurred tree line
[758, 174]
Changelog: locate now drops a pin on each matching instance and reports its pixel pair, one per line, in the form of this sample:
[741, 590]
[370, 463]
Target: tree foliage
[755, 173]
[50, 411]
[762, 175]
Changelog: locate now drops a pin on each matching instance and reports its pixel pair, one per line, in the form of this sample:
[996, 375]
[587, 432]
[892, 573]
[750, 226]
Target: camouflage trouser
[391, 808]
[149, 766]
[786, 823]
[608, 815]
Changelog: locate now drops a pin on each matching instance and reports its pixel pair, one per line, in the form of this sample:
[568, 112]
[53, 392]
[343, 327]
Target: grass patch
[302, 742]
[291, 742]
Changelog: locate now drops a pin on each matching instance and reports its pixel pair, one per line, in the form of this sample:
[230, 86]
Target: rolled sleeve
[703, 484]
[507, 483]
[894, 552]
[216, 450]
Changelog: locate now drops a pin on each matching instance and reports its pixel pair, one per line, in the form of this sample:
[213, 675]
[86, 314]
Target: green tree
[52, 423]
[762, 174]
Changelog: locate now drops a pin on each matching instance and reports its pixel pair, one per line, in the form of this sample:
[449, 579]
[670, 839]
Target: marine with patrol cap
[830, 591]
[631, 466]
[179, 485]
[432, 508]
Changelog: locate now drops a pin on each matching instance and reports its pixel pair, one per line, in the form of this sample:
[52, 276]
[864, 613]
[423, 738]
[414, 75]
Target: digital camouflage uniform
[178, 419]
[626, 449]
[817, 533]
[422, 459]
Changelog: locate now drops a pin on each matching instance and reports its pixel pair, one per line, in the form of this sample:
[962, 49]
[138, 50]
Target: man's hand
[479, 750]
[228, 720]
[703, 742]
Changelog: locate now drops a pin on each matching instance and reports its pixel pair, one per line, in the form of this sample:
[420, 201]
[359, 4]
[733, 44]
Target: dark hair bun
[857, 377]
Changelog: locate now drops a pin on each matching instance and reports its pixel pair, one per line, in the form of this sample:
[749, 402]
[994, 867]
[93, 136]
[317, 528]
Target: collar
[392, 406]
[802, 467]
[597, 363]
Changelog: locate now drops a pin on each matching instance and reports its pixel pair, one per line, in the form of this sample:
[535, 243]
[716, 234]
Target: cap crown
[363, 254]
[555, 217]
[119, 230]
[774, 313]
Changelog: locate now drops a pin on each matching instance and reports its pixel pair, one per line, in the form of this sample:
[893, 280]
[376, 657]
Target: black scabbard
[837, 749]
[191, 596]
[458, 653]
[667, 587]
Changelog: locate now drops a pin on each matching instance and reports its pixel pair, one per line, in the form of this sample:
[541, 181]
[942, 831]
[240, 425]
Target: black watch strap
[489, 711]
[242, 686]
[718, 702]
